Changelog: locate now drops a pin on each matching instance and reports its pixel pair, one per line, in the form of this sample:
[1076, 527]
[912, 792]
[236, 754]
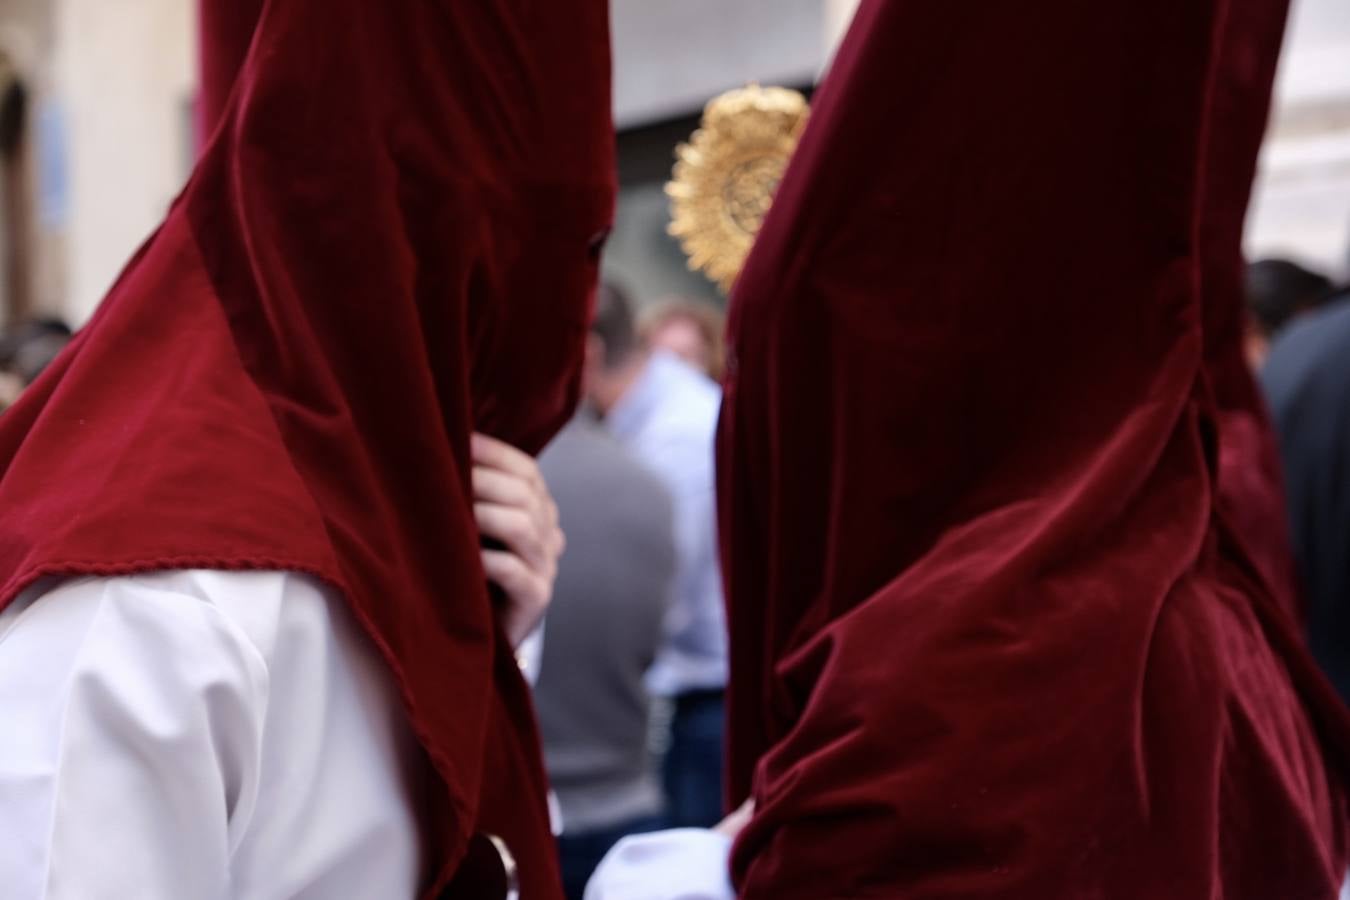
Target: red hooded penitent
[389, 242]
[1007, 577]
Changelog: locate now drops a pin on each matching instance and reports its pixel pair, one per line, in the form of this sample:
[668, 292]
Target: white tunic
[203, 735]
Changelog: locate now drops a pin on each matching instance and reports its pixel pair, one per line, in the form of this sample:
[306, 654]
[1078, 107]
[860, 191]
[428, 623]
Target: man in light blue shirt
[665, 413]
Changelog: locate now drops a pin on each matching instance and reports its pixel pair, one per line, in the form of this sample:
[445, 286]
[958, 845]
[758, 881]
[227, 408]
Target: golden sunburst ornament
[726, 176]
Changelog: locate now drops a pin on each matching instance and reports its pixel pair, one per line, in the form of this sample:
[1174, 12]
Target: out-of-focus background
[99, 128]
[97, 135]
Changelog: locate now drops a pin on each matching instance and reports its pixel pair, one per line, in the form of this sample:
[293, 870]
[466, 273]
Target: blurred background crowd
[97, 134]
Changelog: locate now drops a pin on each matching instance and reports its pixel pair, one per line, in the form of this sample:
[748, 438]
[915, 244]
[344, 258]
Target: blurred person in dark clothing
[610, 599]
[1307, 383]
[26, 351]
[1278, 291]
[665, 413]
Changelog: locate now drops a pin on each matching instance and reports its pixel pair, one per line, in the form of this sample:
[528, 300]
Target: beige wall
[125, 72]
[25, 41]
[1302, 203]
[26, 34]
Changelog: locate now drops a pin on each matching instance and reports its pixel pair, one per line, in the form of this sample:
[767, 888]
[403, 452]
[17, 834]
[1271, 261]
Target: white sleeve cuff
[682, 864]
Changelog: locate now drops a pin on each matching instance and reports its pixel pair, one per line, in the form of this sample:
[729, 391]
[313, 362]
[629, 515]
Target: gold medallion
[726, 176]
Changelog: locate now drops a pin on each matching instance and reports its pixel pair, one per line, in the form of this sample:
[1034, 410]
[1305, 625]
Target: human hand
[732, 825]
[513, 505]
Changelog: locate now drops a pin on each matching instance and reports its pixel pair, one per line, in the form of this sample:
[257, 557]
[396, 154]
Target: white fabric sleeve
[530, 654]
[681, 864]
[130, 747]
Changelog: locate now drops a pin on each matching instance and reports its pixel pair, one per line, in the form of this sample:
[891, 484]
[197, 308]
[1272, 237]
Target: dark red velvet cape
[1008, 586]
[389, 241]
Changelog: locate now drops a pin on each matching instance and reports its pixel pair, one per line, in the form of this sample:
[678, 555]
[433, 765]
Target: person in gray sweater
[602, 632]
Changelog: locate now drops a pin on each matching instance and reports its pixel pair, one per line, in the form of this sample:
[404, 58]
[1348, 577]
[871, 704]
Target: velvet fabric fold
[390, 241]
[226, 29]
[1008, 587]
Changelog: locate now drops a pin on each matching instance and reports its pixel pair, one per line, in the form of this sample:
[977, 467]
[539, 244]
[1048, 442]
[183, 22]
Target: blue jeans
[579, 854]
[693, 765]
